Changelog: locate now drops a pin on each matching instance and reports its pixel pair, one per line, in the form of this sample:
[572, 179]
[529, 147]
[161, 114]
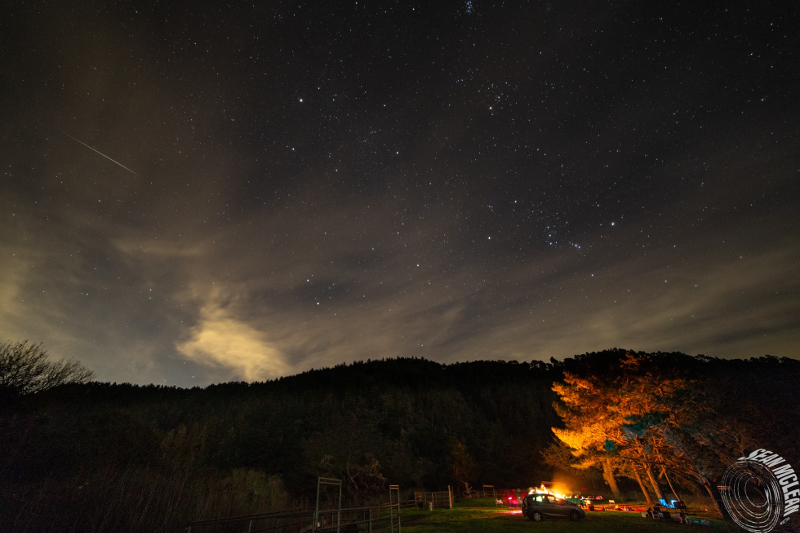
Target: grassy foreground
[481, 518]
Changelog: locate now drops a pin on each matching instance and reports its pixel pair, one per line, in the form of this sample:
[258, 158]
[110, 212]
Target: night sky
[199, 192]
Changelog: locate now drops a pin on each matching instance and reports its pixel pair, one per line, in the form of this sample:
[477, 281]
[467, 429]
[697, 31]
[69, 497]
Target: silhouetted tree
[25, 369]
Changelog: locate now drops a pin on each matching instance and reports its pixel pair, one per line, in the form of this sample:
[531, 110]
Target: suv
[537, 506]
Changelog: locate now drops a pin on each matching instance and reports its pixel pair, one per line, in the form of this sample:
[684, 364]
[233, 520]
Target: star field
[201, 192]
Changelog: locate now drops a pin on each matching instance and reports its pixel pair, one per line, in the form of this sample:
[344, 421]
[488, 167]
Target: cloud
[234, 347]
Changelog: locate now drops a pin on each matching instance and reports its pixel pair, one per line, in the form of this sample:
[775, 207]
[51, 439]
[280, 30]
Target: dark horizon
[195, 193]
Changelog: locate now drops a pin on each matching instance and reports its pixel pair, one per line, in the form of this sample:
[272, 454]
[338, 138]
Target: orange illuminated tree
[590, 426]
[645, 412]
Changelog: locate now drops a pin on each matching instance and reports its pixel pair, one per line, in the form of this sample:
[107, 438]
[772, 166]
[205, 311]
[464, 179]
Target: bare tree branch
[25, 369]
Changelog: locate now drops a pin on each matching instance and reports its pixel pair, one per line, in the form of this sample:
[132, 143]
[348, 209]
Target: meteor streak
[99, 152]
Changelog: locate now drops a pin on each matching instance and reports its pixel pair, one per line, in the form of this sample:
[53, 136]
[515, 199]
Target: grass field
[478, 516]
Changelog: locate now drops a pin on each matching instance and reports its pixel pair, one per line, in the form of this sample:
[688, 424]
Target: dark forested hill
[125, 457]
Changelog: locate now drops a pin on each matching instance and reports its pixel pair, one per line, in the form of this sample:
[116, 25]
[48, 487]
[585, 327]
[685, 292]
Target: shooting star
[99, 152]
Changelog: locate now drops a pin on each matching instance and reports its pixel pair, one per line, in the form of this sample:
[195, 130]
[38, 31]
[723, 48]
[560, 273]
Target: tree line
[89, 456]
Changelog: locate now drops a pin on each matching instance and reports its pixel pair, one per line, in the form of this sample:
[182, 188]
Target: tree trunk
[716, 498]
[608, 475]
[641, 485]
[653, 481]
[674, 492]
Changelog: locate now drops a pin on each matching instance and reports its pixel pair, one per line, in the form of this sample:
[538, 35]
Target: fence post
[398, 510]
[391, 511]
[391, 506]
[339, 512]
[450, 495]
[316, 510]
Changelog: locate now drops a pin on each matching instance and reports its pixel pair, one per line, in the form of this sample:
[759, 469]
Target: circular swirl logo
[760, 491]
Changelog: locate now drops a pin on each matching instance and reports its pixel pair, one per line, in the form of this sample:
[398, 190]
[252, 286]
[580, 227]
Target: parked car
[537, 506]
